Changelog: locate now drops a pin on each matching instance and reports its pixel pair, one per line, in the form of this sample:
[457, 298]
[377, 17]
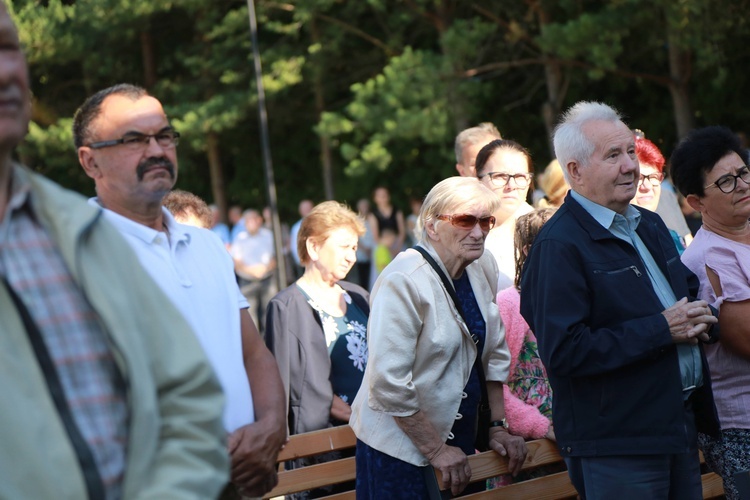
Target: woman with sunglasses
[710, 169]
[505, 167]
[434, 334]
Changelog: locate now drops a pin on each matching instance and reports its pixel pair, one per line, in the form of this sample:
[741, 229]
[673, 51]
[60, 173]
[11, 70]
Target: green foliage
[403, 106]
[388, 82]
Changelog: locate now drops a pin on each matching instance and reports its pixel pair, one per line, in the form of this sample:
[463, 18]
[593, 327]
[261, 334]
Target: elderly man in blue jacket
[619, 332]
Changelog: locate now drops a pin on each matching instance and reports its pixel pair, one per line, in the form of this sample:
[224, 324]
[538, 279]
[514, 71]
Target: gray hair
[484, 132]
[451, 194]
[571, 144]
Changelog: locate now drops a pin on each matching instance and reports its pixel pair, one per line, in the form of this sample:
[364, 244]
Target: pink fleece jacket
[523, 419]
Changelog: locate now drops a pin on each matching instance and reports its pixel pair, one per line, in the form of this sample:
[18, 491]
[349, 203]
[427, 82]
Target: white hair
[571, 144]
[452, 194]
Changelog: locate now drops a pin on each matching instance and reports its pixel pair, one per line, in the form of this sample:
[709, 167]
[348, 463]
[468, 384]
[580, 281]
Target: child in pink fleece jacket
[527, 393]
[528, 396]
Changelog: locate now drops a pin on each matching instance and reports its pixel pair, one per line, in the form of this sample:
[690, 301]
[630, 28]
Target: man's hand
[453, 465]
[253, 449]
[689, 321]
[505, 444]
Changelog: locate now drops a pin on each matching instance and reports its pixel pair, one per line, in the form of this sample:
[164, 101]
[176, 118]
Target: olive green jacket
[176, 442]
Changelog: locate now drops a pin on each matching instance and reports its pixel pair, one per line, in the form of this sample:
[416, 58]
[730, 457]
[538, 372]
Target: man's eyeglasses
[501, 179]
[653, 179]
[467, 221]
[728, 183]
[135, 141]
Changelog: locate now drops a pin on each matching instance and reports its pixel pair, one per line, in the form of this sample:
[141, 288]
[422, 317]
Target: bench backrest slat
[483, 465]
[317, 442]
[553, 486]
[713, 486]
[314, 476]
[489, 464]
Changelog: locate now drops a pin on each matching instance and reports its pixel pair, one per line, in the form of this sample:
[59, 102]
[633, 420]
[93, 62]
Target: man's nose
[629, 164]
[154, 148]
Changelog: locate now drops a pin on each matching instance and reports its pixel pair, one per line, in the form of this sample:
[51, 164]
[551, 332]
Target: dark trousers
[258, 294]
[640, 477]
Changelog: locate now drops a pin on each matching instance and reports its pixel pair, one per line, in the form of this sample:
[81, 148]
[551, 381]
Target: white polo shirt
[195, 270]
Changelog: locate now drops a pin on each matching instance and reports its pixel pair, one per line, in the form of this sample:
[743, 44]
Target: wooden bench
[483, 466]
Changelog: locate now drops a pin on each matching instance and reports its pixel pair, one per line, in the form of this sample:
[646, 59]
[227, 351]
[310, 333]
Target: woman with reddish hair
[649, 185]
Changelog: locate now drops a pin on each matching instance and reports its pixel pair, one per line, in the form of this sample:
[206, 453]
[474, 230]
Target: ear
[695, 202]
[574, 171]
[431, 233]
[312, 249]
[525, 250]
[460, 169]
[87, 161]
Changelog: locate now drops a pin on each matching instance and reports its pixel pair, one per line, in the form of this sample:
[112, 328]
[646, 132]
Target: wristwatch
[499, 423]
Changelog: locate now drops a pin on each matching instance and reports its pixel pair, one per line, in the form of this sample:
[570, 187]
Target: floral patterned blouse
[346, 338]
[529, 382]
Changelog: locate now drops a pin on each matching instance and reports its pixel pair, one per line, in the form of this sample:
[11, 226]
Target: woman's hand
[507, 445]
[454, 467]
[340, 410]
[449, 460]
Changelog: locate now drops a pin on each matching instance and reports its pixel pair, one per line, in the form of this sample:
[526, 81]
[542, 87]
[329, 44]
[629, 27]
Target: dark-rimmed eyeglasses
[501, 179]
[728, 183]
[468, 221]
[653, 179]
[167, 139]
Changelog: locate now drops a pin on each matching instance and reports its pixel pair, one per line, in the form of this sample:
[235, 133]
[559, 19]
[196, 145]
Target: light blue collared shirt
[623, 227]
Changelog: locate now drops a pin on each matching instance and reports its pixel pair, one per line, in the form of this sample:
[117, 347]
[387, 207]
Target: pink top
[523, 397]
[730, 373]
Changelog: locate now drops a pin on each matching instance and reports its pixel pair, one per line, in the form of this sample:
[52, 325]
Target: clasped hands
[689, 321]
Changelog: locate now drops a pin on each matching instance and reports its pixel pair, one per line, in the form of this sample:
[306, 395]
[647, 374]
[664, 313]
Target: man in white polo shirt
[127, 145]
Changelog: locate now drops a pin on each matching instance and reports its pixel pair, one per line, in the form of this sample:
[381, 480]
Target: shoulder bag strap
[452, 292]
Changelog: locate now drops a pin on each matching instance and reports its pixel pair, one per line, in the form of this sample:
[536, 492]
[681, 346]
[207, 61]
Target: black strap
[447, 284]
[90, 470]
[452, 292]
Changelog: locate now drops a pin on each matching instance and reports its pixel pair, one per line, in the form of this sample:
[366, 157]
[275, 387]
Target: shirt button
[568, 449]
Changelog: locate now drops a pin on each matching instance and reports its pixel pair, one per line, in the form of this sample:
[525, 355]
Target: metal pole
[268, 166]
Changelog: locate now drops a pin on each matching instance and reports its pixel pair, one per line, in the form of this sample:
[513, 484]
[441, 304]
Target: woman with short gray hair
[436, 348]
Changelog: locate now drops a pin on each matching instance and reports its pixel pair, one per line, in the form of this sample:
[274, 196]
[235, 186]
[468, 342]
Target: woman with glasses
[505, 167]
[649, 185]
[710, 169]
[434, 337]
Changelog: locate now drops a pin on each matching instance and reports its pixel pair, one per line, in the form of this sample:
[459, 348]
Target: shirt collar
[606, 217]
[20, 195]
[20, 187]
[177, 232]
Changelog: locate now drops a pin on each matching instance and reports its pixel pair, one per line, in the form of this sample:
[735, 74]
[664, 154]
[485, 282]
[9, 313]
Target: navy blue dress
[380, 476]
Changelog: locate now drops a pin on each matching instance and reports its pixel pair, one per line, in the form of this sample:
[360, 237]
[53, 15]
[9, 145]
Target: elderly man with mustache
[127, 145]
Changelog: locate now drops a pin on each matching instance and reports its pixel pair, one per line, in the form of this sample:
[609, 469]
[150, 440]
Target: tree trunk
[680, 69]
[149, 61]
[456, 100]
[551, 108]
[320, 107]
[217, 174]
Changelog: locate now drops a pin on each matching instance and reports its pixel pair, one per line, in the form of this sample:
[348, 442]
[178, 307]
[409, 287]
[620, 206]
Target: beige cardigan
[421, 352]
